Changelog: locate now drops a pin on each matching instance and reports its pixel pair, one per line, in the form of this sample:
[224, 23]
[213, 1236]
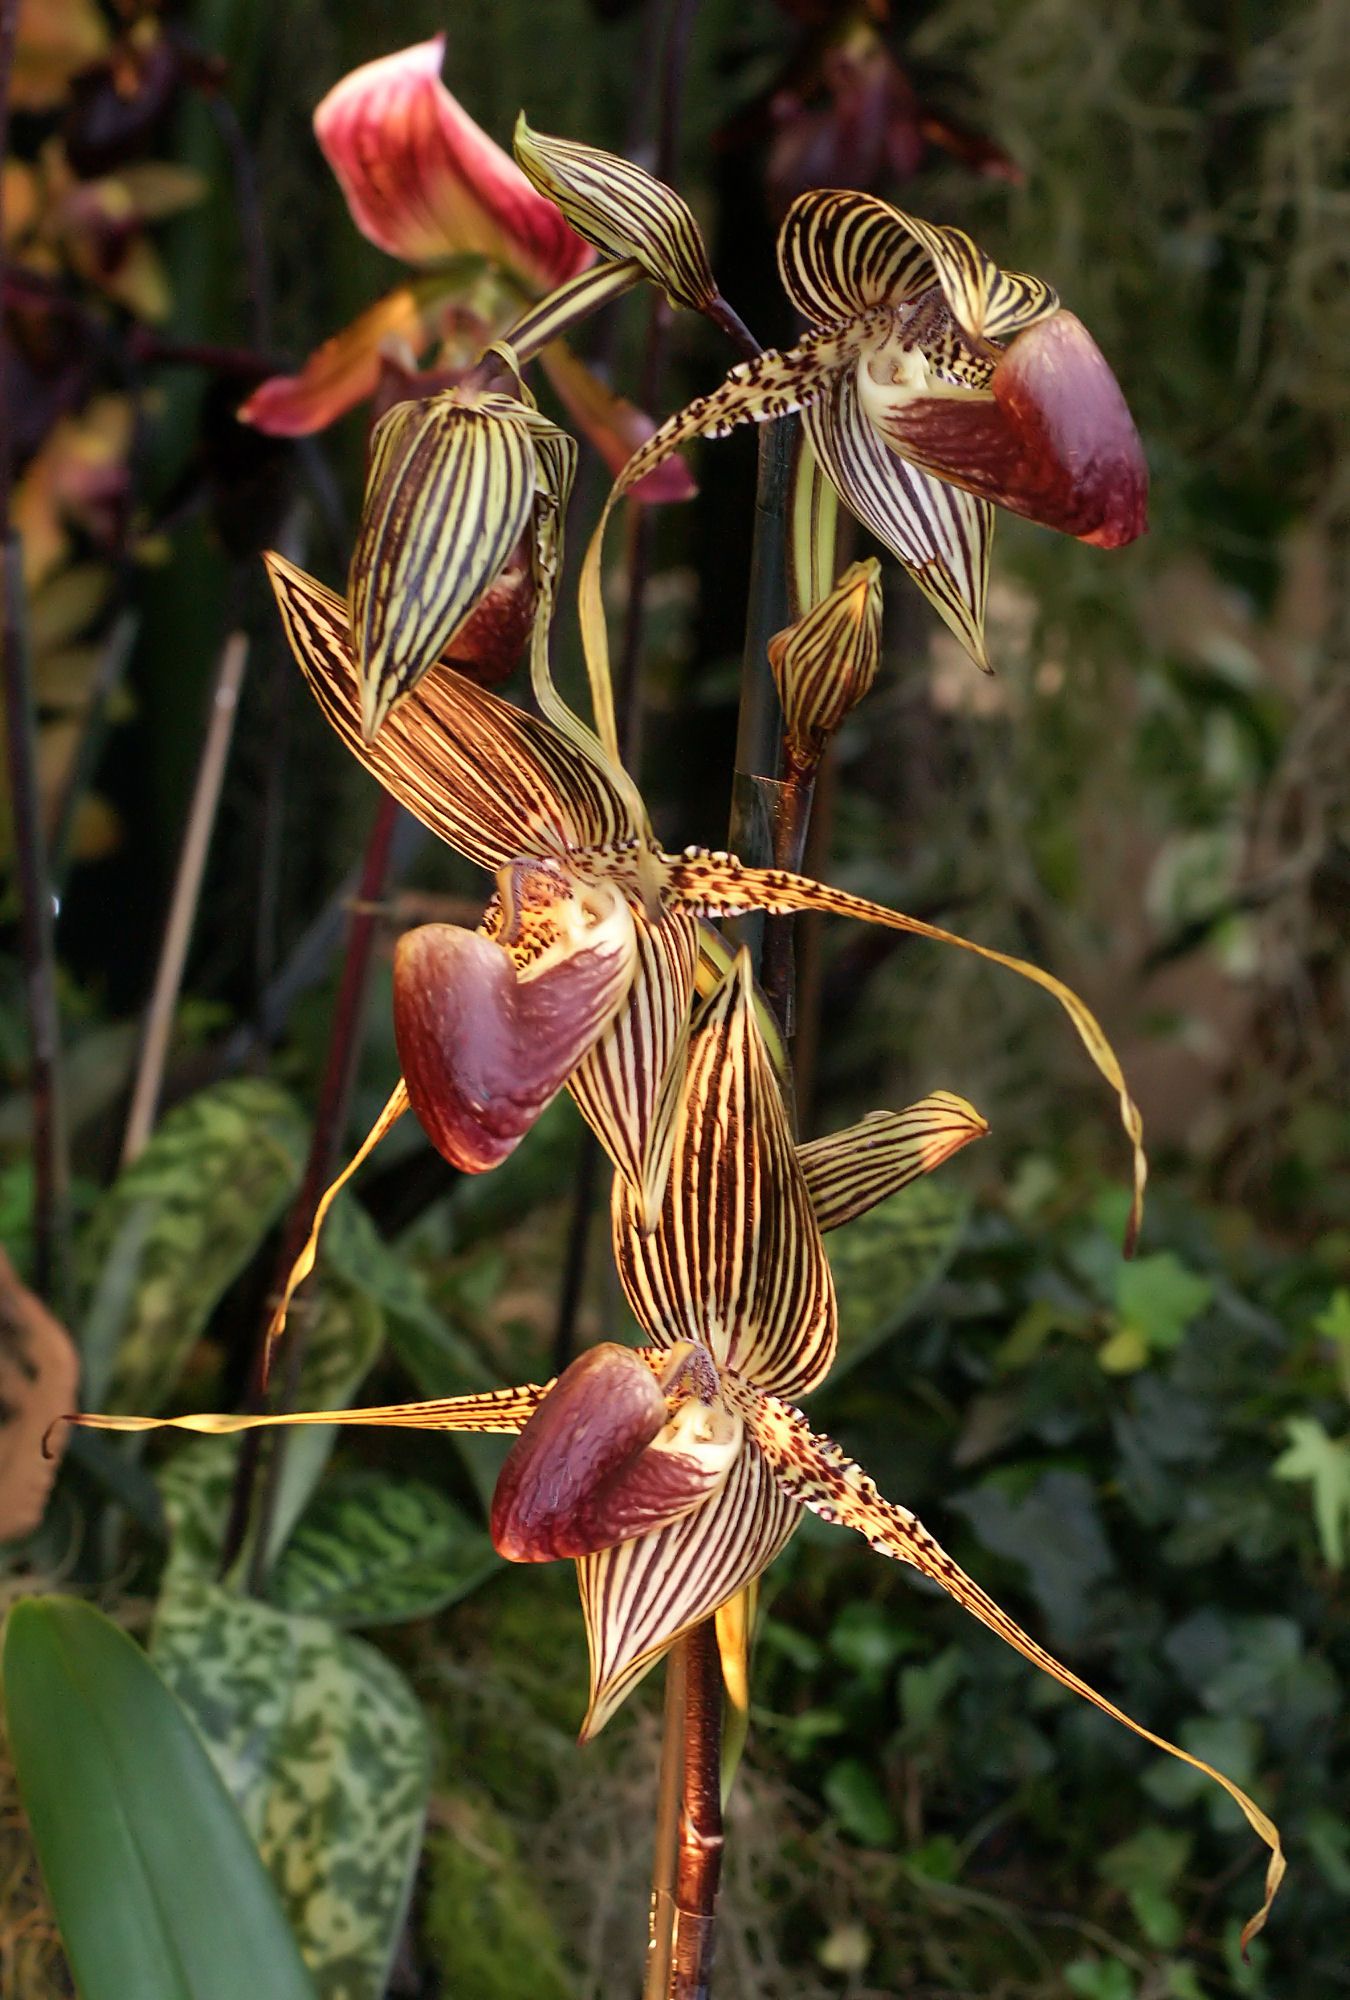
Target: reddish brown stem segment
[698, 1857]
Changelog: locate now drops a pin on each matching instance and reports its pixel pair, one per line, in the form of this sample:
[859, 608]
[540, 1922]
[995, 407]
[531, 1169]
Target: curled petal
[849, 1172]
[604, 1458]
[490, 780]
[488, 1029]
[736, 1259]
[1052, 439]
[449, 495]
[629, 1083]
[341, 373]
[937, 532]
[623, 210]
[642, 1595]
[827, 661]
[719, 884]
[424, 182]
[841, 253]
[614, 426]
[816, 1474]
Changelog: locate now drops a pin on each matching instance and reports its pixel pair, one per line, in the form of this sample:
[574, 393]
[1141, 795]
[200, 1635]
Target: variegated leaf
[449, 494]
[373, 1549]
[842, 253]
[641, 1596]
[629, 1083]
[817, 1474]
[939, 534]
[494, 783]
[825, 663]
[323, 1747]
[884, 1263]
[623, 210]
[849, 1172]
[736, 1262]
[720, 885]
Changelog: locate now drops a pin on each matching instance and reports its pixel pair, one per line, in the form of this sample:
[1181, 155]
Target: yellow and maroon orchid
[675, 1473]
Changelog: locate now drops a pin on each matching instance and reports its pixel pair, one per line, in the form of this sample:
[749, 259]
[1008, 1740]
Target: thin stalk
[698, 1861]
[187, 890]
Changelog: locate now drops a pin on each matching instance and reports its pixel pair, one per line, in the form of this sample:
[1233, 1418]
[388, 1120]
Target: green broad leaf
[323, 1748]
[858, 1803]
[1157, 1298]
[886, 1261]
[175, 1230]
[441, 1361]
[1100, 1979]
[1147, 1867]
[373, 1549]
[156, 1884]
[1324, 1464]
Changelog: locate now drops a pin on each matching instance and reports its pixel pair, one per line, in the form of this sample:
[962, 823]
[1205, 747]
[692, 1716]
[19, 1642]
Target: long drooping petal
[639, 1597]
[493, 782]
[1052, 439]
[496, 1410]
[939, 533]
[628, 1084]
[450, 492]
[720, 885]
[489, 1028]
[424, 182]
[623, 210]
[736, 1259]
[849, 1172]
[815, 1473]
[345, 370]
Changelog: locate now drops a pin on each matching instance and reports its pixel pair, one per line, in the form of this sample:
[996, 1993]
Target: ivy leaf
[1157, 1299]
[1324, 1463]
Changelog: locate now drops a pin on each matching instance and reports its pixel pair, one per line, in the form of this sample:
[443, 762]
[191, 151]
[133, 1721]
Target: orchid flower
[674, 1473]
[583, 970]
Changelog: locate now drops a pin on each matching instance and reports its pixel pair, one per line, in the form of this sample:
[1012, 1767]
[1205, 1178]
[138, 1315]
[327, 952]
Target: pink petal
[424, 182]
[489, 1031]
[338, 375]
[1057, 442]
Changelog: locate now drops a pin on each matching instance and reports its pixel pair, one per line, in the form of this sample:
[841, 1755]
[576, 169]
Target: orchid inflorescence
[932, 385]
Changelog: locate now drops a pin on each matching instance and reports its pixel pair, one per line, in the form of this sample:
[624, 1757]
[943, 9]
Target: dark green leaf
[885, 1261]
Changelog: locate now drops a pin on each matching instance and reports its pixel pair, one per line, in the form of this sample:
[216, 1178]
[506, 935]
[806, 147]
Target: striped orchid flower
[674, 1473]
[932, 386]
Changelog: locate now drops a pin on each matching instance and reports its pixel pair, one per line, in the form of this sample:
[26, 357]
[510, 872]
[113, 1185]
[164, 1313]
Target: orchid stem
[698, 1857]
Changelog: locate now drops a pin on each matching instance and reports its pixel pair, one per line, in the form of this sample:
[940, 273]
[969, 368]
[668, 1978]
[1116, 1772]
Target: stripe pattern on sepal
[641, 1596]
[827, 661]
[989, 303]
[562, 310]
[623, 210]
[816, 1473]
[840, 253]
[849, 1172]
[736, 1260]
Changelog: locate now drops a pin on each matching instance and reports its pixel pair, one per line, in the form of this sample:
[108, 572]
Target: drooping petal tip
[425, 182]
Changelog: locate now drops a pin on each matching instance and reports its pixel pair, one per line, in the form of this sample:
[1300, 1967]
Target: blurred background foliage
[1151, 1464]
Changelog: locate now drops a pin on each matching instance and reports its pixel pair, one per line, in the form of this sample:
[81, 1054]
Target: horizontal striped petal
[608, 1455]
[720, 885]
[938, 533]
[642, 1595]
[614, 426]
[497, 1410]
[449, 494]
[344, 371]
[736, 1259]
[489, 1028]
[491, 781]
[841, 253]
[1053, 439]
[816, 1474]
[424, 182]
[629, 1083]
[623, 210]
[825, 663]
[849, 1172]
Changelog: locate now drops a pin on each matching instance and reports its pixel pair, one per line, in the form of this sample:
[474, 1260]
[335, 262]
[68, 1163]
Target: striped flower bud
[827, 661]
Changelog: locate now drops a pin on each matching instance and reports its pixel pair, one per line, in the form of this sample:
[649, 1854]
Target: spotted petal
[623, 210]
[736, 1260]
[720, 885]
[491, 781]
[641, 1596]
[629, 1083]
[424, 182]
[816, 1474]
[938, 533]
[841, 253]
[849, 1172]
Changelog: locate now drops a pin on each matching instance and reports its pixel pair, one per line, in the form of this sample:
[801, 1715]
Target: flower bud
[827, 661]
